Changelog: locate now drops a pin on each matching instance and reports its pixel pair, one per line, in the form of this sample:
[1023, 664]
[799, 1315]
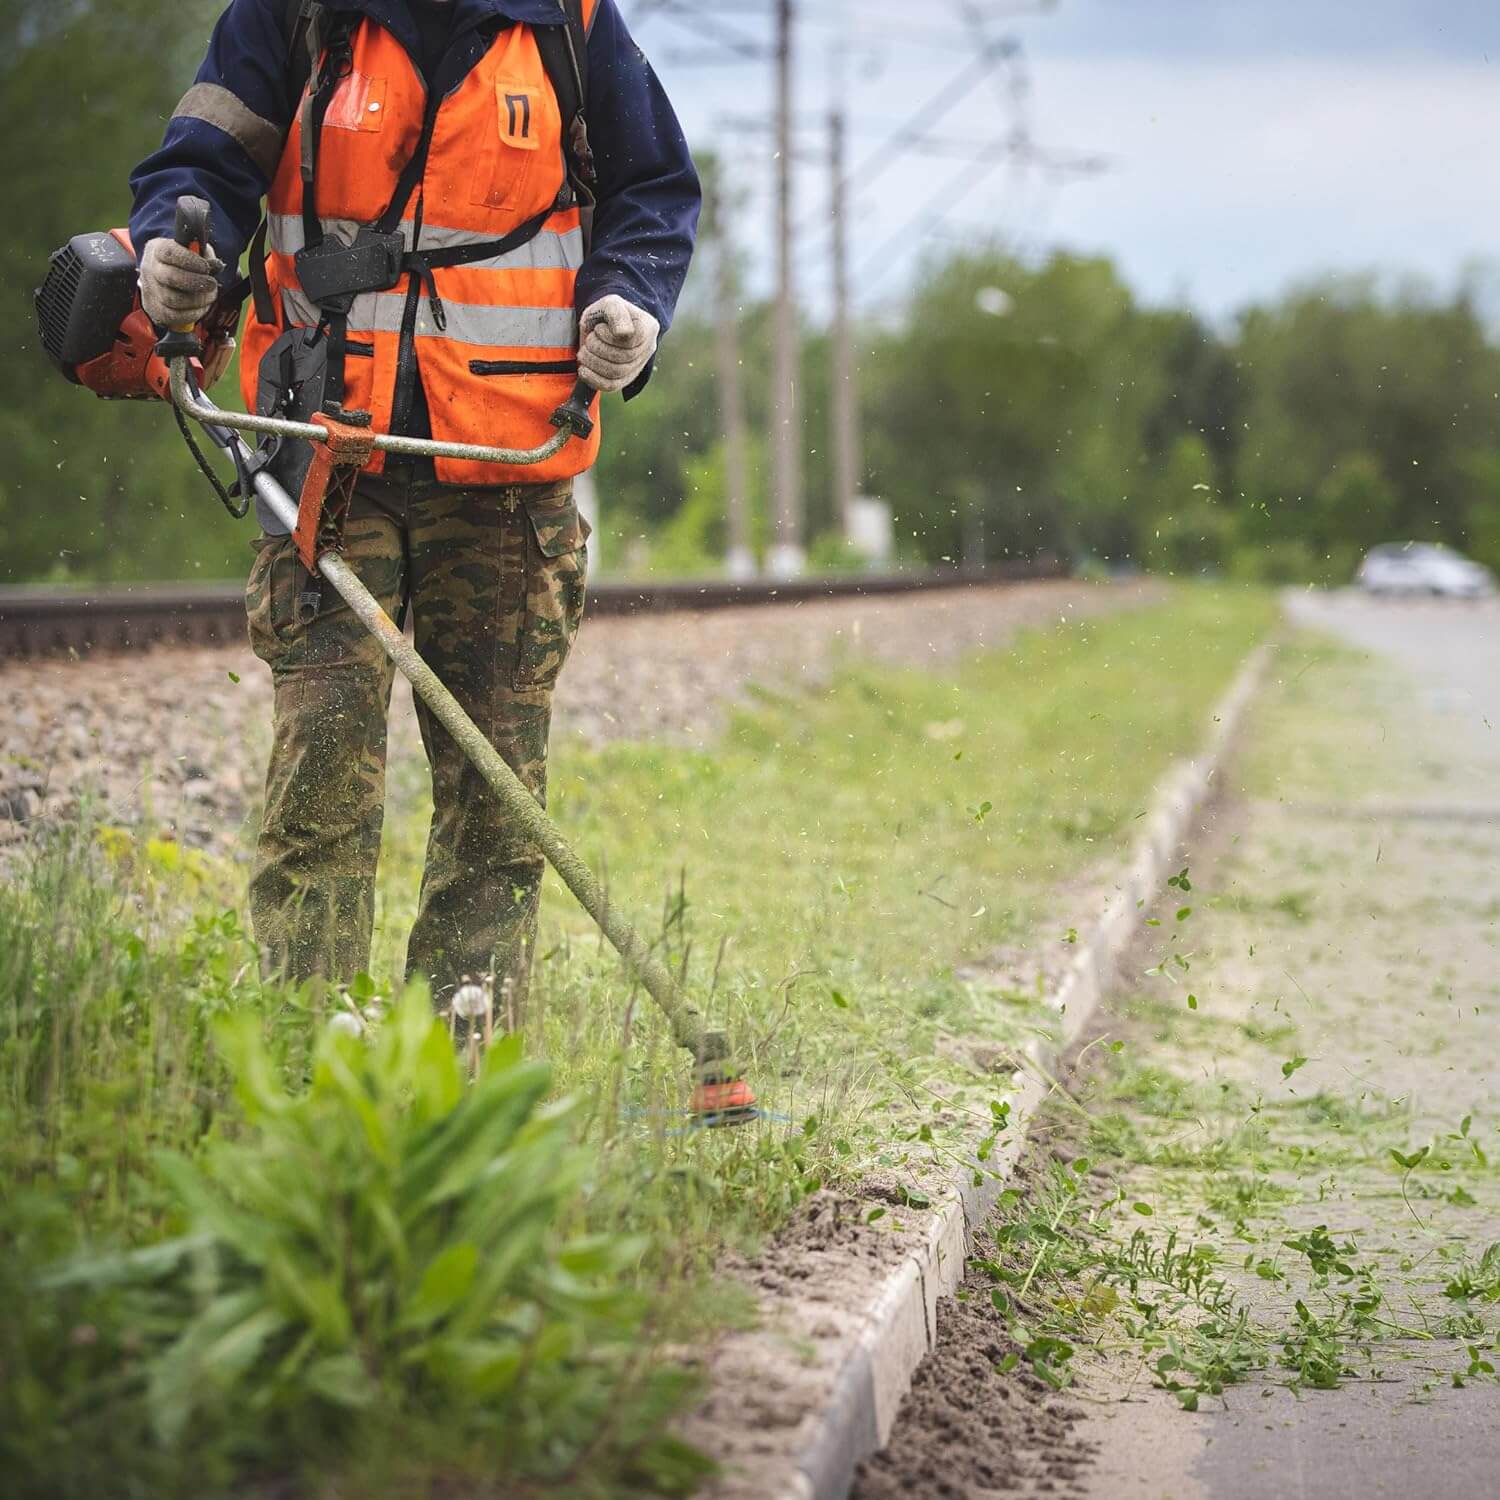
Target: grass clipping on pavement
[230, 1247]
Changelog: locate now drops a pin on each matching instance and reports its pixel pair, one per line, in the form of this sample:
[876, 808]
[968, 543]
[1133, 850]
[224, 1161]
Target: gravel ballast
[173, 741]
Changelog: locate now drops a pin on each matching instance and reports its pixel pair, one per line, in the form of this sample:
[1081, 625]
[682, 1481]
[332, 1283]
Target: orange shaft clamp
[329, 487]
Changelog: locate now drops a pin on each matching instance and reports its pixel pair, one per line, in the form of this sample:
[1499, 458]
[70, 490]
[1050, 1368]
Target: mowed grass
[817, 878]
[820, 874]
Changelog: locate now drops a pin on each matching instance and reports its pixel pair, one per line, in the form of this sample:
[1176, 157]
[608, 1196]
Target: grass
[835, 861]
[818, 878]
[1225, 1217]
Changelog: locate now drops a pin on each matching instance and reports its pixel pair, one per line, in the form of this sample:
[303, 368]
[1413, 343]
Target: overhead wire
[728, 26]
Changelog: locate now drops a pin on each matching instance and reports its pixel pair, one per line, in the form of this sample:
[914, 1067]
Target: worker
[469, 203]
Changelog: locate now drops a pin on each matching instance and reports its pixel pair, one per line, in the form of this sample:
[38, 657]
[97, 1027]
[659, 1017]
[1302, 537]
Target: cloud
[1230, 180]
[1241, 30]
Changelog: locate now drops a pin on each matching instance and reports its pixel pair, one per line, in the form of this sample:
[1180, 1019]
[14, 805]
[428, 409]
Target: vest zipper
[523, 367]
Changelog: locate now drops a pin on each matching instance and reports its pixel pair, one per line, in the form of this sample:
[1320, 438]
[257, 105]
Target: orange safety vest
[495, 340]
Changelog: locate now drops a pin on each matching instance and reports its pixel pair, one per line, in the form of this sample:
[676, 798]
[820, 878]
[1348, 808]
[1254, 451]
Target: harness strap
[260, 284]
[328, 73]
[302, 26]
[422, 263]
[564, 51]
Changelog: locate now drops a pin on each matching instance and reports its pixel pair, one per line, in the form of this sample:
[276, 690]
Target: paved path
[1348, 914]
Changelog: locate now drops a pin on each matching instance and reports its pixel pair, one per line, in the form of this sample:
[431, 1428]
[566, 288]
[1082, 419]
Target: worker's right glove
[178, 286]
[617, 342]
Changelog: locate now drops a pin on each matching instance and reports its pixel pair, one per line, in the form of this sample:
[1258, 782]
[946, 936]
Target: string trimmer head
[720, 1100]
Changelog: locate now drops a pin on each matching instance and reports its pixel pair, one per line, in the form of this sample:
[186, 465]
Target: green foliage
[1188, 530]
[1362, 412]
[390, 1247]
[231, 1252]
[691, 543]
[90, 489]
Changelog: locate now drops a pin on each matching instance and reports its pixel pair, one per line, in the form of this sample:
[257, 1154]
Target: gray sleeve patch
[216, 106]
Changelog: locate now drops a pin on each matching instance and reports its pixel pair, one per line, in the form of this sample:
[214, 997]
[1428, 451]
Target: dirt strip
[174, 740]
[970, 1429]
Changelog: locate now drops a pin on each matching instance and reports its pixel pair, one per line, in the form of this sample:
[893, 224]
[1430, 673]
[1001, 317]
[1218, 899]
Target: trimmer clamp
[328, 490]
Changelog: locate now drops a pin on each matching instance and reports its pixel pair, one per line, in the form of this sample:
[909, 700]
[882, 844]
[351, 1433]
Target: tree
[1186, 530]
[90, 489]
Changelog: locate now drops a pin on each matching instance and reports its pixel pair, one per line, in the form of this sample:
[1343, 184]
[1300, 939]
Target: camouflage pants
[495, 580]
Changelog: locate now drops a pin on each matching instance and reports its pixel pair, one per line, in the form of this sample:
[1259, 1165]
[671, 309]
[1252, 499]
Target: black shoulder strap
[302, 27]
[564, 50]
[299, 23]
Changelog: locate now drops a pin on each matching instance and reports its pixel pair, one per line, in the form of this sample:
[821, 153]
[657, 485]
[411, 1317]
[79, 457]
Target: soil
[767, 1384]
[967, 1431]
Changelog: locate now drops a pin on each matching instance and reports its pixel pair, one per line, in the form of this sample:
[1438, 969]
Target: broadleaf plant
[381, 1269]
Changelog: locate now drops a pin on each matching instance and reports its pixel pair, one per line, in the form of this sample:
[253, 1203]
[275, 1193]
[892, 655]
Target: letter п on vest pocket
[510, 154]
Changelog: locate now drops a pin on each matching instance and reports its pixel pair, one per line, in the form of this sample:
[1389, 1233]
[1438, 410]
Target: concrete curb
[900, 1321]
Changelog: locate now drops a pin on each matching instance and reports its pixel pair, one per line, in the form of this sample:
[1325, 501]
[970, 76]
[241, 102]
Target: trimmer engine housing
[91, 322]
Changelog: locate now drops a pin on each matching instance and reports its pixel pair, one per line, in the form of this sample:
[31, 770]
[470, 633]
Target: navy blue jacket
[648, 191]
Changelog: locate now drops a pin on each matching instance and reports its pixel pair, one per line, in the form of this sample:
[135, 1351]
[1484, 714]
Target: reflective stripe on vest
[549, 328]
[496, 163]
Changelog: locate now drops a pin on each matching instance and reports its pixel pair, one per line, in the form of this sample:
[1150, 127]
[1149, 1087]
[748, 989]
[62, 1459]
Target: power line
[788, 553]
[739, 33]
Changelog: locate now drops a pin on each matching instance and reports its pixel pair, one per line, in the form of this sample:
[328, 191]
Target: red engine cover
[131, 370]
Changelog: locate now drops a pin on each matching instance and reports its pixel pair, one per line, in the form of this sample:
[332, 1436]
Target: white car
[1418, 568]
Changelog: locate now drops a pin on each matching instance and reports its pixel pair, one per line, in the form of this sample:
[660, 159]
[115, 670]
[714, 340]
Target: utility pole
[788, 555]
[740, 556]
[847, 462]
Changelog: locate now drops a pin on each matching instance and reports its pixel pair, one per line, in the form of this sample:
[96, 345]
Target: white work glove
[178, 286]
[617, 341]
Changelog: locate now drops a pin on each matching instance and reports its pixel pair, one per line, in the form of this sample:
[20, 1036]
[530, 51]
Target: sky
[1232, 148]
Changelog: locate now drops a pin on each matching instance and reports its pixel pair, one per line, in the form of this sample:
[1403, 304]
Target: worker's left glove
[617, 340]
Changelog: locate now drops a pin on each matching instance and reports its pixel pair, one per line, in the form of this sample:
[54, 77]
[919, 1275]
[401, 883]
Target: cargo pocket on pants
[557, 564]
[271, 596]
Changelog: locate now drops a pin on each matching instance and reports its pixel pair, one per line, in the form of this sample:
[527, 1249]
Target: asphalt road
[1450, 650]
[1359, 882]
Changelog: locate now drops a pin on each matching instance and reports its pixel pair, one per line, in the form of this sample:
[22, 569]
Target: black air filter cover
[89, 292]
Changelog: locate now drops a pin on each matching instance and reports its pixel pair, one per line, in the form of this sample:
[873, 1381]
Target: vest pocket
[557, 565]
[357, 104]
[508, 158]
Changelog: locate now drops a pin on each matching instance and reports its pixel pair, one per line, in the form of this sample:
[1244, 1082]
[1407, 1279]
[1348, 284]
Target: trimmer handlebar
[193, 227]
[572, 419]
[191, 230]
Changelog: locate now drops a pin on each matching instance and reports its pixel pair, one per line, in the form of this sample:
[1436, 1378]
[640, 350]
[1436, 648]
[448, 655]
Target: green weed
[380, 1274]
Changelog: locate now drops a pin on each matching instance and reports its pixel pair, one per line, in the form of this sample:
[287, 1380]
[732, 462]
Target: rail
[38, 622]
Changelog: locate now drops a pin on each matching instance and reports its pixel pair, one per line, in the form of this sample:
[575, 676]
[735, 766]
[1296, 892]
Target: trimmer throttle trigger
[194, 217]
[190, 231]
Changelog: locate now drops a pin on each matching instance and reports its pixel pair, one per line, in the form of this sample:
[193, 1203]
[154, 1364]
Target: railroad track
[49, 622]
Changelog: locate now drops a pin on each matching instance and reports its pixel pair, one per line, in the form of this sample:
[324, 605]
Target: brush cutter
[94, 330]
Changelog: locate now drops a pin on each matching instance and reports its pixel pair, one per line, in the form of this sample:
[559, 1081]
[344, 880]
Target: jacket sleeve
[649, 198]
[225, 138]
